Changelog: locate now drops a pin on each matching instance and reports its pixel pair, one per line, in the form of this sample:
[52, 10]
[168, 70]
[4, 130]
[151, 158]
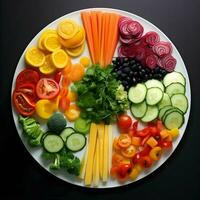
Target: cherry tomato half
[144, 132]
[27, 76]
[29, 90]
[165, 144]
[145, 161]
[47, 88]
[123, 171]
[129, 152]
[23, 104]
[124, 140]
[117, 159]
[124, 121]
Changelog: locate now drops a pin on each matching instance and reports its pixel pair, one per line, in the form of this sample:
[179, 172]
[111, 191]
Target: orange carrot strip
[88, 28]
[102, 39]
[99, 22]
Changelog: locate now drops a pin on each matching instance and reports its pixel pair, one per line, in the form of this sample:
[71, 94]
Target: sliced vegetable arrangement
[67, 106]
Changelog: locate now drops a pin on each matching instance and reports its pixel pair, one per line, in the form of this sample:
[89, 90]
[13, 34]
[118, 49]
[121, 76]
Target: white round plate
[36, 152]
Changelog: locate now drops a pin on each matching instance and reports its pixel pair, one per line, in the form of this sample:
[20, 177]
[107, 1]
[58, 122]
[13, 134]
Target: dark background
[22, 177]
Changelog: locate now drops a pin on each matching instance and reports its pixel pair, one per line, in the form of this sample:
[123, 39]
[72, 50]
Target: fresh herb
[99, 95]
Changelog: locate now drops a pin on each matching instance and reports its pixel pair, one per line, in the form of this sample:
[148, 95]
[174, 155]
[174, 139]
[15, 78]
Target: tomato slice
[145, 161]
[123, 171]
[27, 76]
[117, 159]
[47, 88]
[144, 132]
[58, 76]
[124, 122]
[23, 104]
[29, 90]
[124, 140]
[129, 152]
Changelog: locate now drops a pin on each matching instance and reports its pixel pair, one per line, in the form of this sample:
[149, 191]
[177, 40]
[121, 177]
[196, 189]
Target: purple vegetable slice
[152, 38]
[151, 61]
[168, 63]
[126, 40]
[162, 49]
[135, 29]
[140, 53]
[123, 27]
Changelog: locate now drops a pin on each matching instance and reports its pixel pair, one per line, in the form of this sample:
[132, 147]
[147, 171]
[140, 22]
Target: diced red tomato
[27, 76]
[23, 104]
[165, 144]
[145, 161]
[123, 171]
[64, 103]
[133, 129]
[47, 88]
[117, 159]
[58, 76]
[144, 132]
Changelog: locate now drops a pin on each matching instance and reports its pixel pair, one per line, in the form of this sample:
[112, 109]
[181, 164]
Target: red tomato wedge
[29, 90]
[47, 88]
[27, 76]
[23, 104]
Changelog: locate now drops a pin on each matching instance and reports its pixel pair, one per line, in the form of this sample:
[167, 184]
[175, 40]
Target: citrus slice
[85, 61]
[34, 57]
[42, 37]
[77, 72]
[59, 58]
[77, 40]
[67, 29]
[51, 42]
[47, 67]
[75, 52]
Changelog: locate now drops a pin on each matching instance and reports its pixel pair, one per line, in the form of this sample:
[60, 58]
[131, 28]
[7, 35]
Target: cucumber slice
[139, 110]
[75, 142]
[174, 119]
[151, 114]
[66, 132]
[165, 101]
[175, 88]
[171, 110]
[180, 101]
[53, 143]
[137, 93]
[154, 83]
[154, 96]
[163, 110]
[82, 125]
[174, 77]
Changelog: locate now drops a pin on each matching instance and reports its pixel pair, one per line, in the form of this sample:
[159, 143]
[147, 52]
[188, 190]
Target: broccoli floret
[56, 122]
[74, 166]
[34, 142]
[56, 164]
[48, 156]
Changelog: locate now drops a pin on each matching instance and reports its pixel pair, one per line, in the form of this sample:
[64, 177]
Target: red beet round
[151, 61]
[135, 29]
[152, 38]
[168, 62]
[162, 49]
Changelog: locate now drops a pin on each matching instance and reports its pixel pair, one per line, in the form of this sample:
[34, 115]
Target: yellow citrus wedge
[34, 57]
[67, 29]
[85, 61]
[43, 35]
[59, 58]
[75, 52]
[47, 67]
[77, 40]
[51, 42]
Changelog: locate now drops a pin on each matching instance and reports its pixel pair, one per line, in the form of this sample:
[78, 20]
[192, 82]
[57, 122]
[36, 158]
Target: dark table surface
[22, 177]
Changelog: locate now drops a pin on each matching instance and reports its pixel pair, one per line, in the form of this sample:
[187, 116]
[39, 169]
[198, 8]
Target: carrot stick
[102, 39]
[88, 28]
[99, 22]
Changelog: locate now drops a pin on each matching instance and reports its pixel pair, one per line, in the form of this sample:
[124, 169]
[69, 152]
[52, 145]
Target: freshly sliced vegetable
[96, 166]
[174, 77]
[152, 142]
[85, 61]
[81, 125]
[124, 121]
[163, 110]
[34, 57]
[152, 38]
[47, 88]
[53, 143]
[137, 93]
[180, 101]
[151, 114]
[59, 59]
[124, 140]
[154, 95]
[155, 153]
[145, 161]
[174, 132]
[72, 96]
[75, 52]
[23, 104]
[174, 119]
[105, 154]
[27, 76]
[175, 88]
[166, 101]
[168, 62]
[47, 67]
[154, 83]
[135, 171]
[129, 152]
[138, 110]
[66, 132]
[75, 142]
[77, 72]
[51, 42]
[73, 112]
[162, 48]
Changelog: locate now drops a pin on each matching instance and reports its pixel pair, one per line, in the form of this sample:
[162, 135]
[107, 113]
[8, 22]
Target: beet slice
[151, 61]
[123, 26]
[168, 62]
[140, 53]
[162, 48]
[152, 38]
[135, 29]
[126, 51]
[126, 40]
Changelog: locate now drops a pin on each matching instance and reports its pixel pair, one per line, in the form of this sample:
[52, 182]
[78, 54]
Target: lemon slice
[75, 52]
[34, 57]
[67, 29]
[47, 67]
[85, 61]
[42, 37]
[51, 42]
[59, 58]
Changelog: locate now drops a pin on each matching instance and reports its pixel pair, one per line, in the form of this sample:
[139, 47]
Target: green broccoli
[31, 129]
[56, 164]
[56, 122]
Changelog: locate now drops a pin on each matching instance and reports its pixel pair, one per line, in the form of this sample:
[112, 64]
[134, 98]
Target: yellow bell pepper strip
[73, 112]
[155, 153]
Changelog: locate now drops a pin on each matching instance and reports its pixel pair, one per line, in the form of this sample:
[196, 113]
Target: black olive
[146, 76]
[135, 74]
[119, 72]
[150, 75]
[114, 62]
[131, 73]
[139, 67]
[157, 70]
[124, 83]
[126, 70]
[123, 75]
[147, 69]
[134, 81]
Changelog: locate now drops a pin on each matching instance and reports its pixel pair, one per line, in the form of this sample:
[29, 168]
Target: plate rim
[80, 184]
